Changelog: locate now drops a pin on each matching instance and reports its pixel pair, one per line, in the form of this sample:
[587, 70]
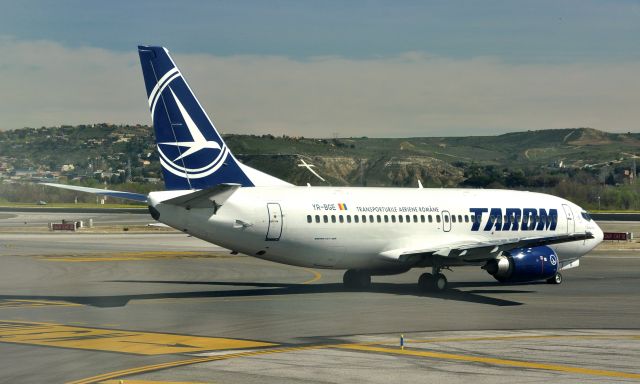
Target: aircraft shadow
[272, 289]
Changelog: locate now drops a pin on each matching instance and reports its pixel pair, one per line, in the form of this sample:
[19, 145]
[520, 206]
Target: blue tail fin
[192, 153]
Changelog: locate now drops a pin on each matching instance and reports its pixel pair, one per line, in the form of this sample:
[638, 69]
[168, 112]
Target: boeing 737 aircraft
[515, 236]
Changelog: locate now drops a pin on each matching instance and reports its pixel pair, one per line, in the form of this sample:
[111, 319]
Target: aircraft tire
[430, 283]
[440, 282]
[556, 279]
[354, 279]
[425, 282]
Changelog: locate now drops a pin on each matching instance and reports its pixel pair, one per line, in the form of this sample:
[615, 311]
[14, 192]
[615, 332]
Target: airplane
[516, 236]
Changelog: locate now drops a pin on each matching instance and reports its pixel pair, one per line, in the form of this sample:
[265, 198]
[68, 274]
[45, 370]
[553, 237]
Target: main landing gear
[356, 279]
[428, 282]
[434, 281]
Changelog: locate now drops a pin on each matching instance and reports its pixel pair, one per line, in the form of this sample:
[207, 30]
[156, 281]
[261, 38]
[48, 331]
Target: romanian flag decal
[342, 206]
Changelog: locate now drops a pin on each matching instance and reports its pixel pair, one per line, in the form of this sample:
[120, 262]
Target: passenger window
[309, 219]
[466, 218]
[326, 218]
[415, 218]
[453, 218]
[341, 219]
[356, 218]
[371, 218]
[446, 219]
[317, 218]
[400, 219]
[422, 218]
[348, 218]
[459, 218]
[386, 218]
[473, 218]
[333, 218]
[430, 219]
[408, 218]
[364, 218]
[393, 218]
[379, 219]
[438, 218]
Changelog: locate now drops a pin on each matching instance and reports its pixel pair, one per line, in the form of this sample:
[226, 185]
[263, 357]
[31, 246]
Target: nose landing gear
[556, 279]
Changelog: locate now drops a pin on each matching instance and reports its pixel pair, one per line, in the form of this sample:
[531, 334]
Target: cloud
[413, 94]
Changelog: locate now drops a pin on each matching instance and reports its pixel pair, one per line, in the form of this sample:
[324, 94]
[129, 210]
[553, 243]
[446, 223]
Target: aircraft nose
[598, 235]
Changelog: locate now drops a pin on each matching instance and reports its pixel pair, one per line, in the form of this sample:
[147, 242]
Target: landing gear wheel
[425, 282]
[354, 279]
[430, 283]
[557, 279]
[440, 282]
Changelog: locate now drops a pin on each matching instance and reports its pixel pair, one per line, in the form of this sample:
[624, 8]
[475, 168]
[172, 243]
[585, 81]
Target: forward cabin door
[275, 222]
[571, 224]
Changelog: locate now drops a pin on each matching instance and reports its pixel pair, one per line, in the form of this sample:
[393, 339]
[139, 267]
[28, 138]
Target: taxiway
[170, 308]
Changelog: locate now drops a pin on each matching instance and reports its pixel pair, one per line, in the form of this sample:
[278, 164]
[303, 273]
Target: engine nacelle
[524, 264]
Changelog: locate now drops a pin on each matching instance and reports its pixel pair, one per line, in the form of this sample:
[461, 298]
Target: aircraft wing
[481, 250]
[212, 197]
[103, 192]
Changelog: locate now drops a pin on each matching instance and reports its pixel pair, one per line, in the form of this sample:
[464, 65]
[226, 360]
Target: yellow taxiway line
[114, 340]
[153, 255]
[19, 303]
[135, 256]
[377, 348]
[316, 276]
[491, 361]
[179, 363]
[150, 382]
[499, 338]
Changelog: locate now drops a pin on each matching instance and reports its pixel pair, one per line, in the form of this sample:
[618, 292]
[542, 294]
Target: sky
[331, 68]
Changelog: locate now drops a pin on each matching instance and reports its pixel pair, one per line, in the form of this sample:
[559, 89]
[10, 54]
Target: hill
[117, 154]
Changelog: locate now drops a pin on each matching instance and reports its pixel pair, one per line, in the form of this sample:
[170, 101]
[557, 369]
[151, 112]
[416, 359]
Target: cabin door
[275, 222]
[571, 224]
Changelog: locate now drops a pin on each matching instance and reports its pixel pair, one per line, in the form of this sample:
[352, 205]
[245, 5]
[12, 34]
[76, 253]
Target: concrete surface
[96, 308]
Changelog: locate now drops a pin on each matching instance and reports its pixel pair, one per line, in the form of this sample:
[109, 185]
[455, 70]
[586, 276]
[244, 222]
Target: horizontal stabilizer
[103, 192]
[212, 197]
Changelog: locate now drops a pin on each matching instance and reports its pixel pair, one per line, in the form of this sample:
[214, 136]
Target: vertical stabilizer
[192, 152]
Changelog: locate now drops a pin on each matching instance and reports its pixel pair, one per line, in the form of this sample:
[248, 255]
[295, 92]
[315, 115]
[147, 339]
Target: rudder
[192, 153]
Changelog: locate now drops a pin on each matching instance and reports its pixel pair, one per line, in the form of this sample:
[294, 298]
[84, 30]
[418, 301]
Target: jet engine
[524, 265]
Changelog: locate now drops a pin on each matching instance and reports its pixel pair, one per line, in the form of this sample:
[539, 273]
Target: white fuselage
[352, 228]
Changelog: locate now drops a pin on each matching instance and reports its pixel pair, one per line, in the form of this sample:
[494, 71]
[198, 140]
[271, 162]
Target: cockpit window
[586, 215]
